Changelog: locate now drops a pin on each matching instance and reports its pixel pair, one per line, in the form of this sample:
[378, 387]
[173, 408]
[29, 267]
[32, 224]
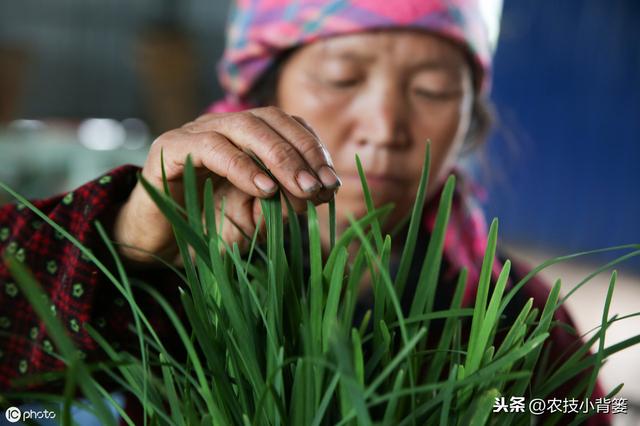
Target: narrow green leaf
[447, 397]
[414, 226]
[375, 225]
[191, 201]
[483, 290]
[448, 329]
[483, 408]
[316, 296]
[390, 410]
[488, 322]
[330, 318]
[425, 291]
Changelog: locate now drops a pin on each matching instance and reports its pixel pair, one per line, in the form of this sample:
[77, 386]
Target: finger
[306, 125]
[254, 135]
[234, 213]
[282, 132]
[298, 132]
[325, 172]
[280, 156]
[214, 152]
[329, 191]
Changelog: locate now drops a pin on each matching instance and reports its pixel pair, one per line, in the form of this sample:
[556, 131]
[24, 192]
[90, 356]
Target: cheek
[324, 112]
[446, 128]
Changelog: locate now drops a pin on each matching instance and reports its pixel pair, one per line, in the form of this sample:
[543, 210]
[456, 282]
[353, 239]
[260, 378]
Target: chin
[351, 202]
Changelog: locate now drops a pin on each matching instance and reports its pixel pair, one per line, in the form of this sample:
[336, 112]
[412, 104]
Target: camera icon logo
[13, 414]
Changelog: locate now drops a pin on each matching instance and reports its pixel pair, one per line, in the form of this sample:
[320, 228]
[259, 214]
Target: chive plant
[271, 338]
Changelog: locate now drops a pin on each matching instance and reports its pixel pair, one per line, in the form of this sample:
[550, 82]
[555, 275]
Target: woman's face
[381, 95]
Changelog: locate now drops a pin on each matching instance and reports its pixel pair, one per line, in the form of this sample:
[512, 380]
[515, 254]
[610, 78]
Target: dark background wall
[564, 164]
[82, 52]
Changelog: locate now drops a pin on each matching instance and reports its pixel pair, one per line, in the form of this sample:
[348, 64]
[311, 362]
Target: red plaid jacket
[81, 294]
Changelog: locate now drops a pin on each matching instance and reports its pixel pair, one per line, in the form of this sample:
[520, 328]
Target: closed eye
[437, 95]
[344, 83]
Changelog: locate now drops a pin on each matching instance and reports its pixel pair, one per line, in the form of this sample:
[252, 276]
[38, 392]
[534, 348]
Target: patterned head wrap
[259, 30]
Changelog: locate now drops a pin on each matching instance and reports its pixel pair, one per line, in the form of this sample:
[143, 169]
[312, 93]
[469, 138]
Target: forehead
[403, 47]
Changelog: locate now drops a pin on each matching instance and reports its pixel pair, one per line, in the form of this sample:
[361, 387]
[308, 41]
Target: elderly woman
[309, 84]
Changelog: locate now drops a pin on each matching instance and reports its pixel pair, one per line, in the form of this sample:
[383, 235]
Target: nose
[383, 116]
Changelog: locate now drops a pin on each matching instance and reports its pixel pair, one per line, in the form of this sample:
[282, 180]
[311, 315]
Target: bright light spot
[101, 134]
[27, 125]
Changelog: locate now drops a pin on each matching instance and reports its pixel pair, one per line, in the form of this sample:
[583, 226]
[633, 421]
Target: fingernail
[307, 182]
[329, 178]
[265, 183]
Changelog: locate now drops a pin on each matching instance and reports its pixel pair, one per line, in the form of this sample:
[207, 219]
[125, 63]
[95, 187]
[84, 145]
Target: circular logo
[13, 414]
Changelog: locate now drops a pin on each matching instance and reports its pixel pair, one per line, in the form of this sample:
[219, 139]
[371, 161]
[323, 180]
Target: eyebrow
[436, 65]
[426, 65]
[350, 56]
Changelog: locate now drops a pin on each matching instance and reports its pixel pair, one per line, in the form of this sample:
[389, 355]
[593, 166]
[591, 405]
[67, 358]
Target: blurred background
[85, 85]
[563, 167]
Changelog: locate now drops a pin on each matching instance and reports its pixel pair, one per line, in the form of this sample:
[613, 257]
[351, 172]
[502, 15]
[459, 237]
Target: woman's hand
[221, 146]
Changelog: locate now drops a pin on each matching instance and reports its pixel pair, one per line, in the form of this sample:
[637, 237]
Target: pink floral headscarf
[259, 30]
